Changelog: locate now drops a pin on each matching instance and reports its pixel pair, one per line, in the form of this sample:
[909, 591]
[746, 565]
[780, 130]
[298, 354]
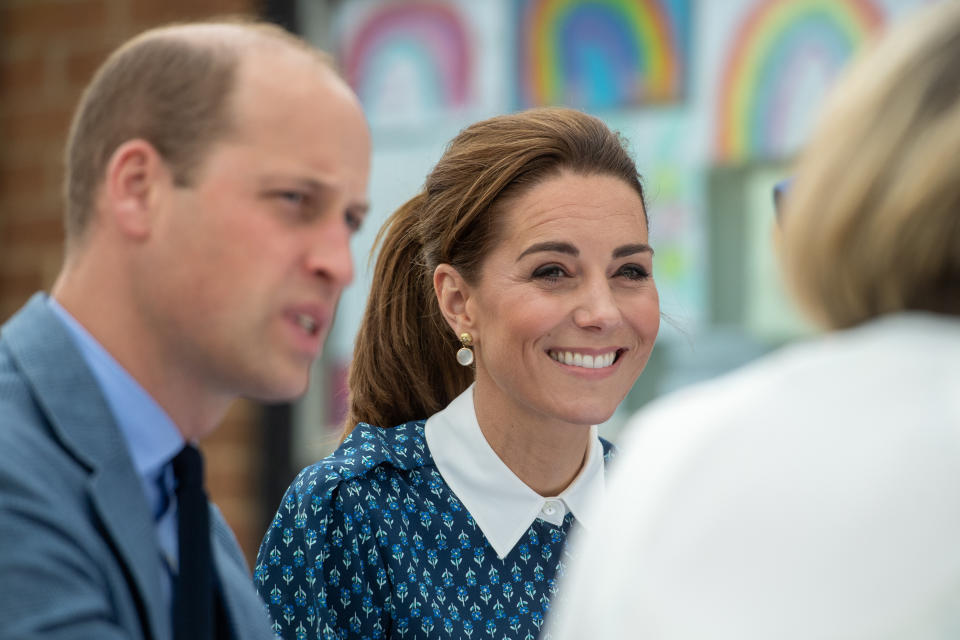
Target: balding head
[172, 87]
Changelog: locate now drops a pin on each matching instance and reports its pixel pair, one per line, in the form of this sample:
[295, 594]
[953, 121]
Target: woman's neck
[545, 453]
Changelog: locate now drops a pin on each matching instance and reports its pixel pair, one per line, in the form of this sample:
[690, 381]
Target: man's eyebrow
[300, 181]
[558, 247]
[359, 209]
[320, 188]
[630, 249]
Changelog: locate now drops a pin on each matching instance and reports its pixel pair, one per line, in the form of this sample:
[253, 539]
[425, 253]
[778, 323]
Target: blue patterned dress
[372, 543]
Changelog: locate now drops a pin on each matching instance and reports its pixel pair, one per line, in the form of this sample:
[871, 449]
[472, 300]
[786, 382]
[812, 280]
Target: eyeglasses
[779, 193]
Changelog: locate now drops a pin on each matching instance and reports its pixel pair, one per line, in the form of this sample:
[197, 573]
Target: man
[215, 174]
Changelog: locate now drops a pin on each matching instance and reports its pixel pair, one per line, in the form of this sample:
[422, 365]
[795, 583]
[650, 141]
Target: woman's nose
[597, 308]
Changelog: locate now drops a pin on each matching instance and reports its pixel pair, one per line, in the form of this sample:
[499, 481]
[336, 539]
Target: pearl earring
[465, 354]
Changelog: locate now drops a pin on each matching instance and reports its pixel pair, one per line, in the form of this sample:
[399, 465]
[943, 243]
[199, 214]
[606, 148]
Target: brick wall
[48, 51]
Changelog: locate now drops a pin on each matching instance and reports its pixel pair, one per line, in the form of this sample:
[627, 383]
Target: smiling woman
[568, 286]
[526, 259]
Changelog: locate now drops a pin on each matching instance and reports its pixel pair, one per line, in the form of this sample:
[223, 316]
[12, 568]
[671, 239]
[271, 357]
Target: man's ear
[135, 176]
[453, 293]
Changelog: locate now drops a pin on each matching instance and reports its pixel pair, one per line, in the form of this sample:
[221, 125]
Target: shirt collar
[500, 503]
[151, 436]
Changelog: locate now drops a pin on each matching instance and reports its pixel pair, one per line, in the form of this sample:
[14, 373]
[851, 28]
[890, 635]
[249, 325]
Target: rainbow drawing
[596, 54]
[783, 57]
[409, 55]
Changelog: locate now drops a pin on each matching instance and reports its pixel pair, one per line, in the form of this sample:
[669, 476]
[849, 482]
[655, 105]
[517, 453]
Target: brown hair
[403, 367]
[170, 86]
[872, 221]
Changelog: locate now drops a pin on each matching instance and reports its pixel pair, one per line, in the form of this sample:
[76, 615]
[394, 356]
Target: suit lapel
[244, 608]
[73, 403]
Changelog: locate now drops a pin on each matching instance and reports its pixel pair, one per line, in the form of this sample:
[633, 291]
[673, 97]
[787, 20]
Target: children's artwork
[673, 195]
[782, 59]
[408, 60]
[595, 54]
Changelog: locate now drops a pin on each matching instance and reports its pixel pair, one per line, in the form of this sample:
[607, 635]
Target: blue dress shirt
[151, 436]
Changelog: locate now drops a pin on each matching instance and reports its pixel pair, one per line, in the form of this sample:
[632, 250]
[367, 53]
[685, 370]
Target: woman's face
[565, 311]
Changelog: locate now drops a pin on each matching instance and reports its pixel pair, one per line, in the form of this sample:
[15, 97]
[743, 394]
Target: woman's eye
[550, 272]
[633, 272]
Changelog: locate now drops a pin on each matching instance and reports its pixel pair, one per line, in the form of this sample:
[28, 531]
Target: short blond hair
[170, 86]
[872, 221]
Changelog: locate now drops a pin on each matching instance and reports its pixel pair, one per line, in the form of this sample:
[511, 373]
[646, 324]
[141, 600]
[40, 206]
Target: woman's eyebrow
[569, 249]
[630, 249]
[557, 247]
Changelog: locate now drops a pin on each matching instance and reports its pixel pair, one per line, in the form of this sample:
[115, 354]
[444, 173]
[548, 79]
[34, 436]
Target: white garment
[812, 495]
[500, 503]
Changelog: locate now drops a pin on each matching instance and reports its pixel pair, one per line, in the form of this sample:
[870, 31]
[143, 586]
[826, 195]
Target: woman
[513, 307]
[816, 493]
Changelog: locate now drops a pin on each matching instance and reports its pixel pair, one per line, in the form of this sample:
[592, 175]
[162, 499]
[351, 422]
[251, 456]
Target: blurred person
[215, 174]
[513, 307]
[815, 493]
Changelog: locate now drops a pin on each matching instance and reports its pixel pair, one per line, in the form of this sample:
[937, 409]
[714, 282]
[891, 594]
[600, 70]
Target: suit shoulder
[17, 404]
[29, 450]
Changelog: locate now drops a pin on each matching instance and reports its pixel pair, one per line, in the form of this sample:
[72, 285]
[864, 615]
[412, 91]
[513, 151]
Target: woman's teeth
[584, 360]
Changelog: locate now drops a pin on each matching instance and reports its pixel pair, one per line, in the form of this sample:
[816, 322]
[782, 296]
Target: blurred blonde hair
[872, 222]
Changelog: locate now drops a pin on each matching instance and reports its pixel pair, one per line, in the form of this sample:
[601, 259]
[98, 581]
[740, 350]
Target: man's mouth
[307, 323]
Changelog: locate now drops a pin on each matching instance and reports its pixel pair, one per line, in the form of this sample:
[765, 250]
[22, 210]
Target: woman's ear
[452, 295]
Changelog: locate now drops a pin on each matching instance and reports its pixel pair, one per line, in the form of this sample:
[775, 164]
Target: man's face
[245, 266]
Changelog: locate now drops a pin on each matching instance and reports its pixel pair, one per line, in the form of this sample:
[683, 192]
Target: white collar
[500, 503]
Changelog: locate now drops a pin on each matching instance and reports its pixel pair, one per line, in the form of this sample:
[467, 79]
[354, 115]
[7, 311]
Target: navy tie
[193, 593]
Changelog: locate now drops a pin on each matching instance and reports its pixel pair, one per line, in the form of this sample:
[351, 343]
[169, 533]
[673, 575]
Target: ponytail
[404, 366]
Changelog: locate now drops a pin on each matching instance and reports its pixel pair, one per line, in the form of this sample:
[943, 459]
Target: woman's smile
[585, 359]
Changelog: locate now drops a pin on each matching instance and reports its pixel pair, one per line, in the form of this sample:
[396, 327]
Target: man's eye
[298, 205]
[294, 197]
[354, 221]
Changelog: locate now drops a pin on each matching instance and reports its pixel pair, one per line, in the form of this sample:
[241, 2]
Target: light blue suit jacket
[78, 550]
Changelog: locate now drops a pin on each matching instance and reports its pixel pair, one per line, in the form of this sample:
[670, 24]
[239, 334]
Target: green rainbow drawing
[777, 36]
[600, 53]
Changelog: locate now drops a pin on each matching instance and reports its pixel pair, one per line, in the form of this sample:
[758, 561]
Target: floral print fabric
[371, 543]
